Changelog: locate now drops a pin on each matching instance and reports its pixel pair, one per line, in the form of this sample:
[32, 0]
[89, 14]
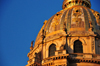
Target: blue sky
[20, 22]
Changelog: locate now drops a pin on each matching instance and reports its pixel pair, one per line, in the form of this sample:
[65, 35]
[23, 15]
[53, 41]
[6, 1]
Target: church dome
[71, 37]
[74, 19]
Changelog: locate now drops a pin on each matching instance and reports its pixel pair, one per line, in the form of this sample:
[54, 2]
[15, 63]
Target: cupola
[69, 3]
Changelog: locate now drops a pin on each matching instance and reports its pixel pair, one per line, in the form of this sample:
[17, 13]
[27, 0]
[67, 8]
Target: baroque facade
[71, 37]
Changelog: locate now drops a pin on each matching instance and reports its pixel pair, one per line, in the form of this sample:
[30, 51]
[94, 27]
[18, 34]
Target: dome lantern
[69, 3]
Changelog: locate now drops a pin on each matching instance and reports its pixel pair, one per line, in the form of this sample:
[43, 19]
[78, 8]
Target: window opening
[52, 50]
[78, 48]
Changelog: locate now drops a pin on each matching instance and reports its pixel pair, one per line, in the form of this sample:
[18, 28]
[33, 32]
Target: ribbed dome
[69, 37]
[76, 18]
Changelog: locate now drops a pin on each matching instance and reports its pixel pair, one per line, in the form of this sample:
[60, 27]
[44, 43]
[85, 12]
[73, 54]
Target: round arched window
[52, 50]
[78, 48]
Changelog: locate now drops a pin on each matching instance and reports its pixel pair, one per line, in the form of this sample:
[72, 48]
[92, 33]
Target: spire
[69, 3]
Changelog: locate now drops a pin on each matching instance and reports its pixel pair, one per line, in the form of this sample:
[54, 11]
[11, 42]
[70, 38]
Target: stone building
[71, 37]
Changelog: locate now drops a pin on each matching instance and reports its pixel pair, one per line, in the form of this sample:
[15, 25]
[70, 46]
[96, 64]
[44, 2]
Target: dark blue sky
[20, 22]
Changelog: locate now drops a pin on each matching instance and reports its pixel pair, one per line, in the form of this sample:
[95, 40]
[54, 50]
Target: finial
[31, 48]
[45, 22]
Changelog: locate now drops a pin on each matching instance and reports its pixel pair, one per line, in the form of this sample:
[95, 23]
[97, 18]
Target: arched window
[76, 2]
[78, 48]
[83, 3]
[52, 50]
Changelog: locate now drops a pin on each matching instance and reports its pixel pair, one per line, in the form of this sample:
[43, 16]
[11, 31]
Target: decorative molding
[92, 43]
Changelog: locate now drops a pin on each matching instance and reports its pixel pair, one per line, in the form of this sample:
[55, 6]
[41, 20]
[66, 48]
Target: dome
[74, 19]
[71, 37]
